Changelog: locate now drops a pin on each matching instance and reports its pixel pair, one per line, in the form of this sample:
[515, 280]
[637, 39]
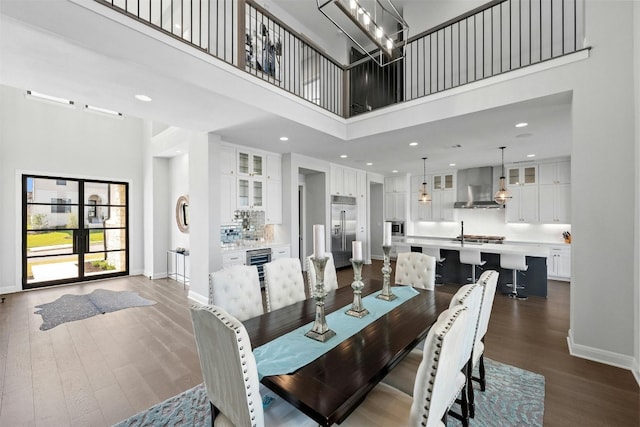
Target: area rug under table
[70, 307]
[514, 397]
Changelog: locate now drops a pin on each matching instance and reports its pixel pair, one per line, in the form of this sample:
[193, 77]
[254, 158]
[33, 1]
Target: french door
[73, 230]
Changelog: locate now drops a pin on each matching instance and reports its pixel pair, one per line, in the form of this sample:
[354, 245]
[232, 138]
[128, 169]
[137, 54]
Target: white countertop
[492, 248]
[251, 246]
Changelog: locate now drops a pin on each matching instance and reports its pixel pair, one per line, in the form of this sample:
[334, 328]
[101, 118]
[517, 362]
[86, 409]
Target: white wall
[179, 178]
[424, 15]
[38, 137]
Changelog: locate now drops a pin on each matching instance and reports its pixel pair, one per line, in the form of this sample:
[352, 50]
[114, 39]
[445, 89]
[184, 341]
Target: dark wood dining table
[332, 386]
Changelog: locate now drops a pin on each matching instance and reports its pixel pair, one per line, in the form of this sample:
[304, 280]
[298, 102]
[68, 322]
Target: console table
[176, 275]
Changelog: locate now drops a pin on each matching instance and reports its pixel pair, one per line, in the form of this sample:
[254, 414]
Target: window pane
[43, 217]
[52, 268]
[105, 217]
[52, 242]
[104, 262]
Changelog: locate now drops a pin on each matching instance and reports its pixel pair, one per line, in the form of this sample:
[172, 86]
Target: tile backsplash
[247, 226]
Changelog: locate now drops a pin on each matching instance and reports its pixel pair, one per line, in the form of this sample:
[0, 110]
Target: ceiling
[88, 64]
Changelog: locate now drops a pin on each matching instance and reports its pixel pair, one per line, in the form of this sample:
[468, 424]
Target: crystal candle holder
[320, 331]
[386, 293]
[357, 310]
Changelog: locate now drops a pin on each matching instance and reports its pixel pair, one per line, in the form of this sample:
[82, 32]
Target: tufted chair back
[330, 276]
[416, 269]
[469, 296]
[438, 377]
[237, 290]
[284, 283]
[228, 366]
[489, 281]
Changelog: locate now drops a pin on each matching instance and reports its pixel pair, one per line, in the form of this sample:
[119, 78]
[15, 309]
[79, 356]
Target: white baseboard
[200, 299]
[636, 371]
[603, 356]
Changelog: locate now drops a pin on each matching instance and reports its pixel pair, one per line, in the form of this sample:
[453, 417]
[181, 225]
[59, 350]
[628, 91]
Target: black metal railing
[501, 36]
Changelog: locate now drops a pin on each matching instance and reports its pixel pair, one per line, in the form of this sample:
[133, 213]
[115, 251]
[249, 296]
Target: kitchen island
[452, 271]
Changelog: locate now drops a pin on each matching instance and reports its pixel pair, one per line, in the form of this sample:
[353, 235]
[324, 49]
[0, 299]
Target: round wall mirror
[182, 213]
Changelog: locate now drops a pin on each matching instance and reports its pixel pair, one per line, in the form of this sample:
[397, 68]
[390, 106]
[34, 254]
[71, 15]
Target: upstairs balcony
[496, 38]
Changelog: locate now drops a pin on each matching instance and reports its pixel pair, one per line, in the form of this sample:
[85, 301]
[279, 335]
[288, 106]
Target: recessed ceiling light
[521, 125]
[178, 151]
[143, 98]
[452, 164]
[343, 156]
[395, 171]
[369, 164]
[284, 138]
[413, 144]
[531, 155]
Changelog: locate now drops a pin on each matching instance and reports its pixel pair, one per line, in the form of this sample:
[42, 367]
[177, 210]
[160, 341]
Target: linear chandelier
[380, 22]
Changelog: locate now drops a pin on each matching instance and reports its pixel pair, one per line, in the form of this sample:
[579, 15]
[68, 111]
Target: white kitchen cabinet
[227, 198]
[250, 164]
[361, 206]
[273, 211]
[280, 252]
[445, 181]
[555, 173]
[522, 175]
[555, 192]
[395, 184]
[228, 160]
[250, 193]
[343, 181]
[559, 263]
[394, 204]
[555, 203]
[523, 206]
[234, 258]
[442, 205]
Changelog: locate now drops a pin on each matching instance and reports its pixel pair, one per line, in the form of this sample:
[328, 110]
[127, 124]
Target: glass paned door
[73, 229]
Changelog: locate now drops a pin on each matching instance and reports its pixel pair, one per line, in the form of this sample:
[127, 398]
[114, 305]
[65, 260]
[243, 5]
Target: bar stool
[435, 252]
[471, 257]
[515, 262]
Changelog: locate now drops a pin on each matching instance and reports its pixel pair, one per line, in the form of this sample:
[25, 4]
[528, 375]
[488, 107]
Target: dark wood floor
[101, 370]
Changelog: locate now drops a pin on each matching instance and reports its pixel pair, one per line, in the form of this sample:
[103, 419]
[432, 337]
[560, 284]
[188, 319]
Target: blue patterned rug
[70, 307]
[514, 397]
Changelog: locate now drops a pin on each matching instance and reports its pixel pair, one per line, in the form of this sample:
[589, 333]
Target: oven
[259, 257]
[397, 228]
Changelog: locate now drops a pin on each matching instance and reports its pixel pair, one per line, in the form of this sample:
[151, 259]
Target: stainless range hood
[475, 189]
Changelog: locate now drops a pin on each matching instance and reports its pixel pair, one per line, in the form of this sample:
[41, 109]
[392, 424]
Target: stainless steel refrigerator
[343, 228]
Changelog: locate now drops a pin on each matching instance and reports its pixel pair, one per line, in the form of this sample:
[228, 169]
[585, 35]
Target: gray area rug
[514, 397]
[69, 307]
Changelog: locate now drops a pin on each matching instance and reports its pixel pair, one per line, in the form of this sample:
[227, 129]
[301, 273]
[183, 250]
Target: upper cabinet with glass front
[522, 175]
[250, 164]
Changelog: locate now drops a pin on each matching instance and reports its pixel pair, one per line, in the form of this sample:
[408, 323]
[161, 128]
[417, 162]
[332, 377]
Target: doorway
[73, 230]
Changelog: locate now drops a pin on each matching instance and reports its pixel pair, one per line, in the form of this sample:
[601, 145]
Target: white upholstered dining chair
[416, 269]
[438, 382]
[403, 375]
[283, 282]
[330, 275]
[237, 290]
[231, 376]
[489, 281]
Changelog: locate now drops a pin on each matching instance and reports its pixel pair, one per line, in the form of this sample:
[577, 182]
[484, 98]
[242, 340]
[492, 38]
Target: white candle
[356, 247]
[386, 241]
[318, 241]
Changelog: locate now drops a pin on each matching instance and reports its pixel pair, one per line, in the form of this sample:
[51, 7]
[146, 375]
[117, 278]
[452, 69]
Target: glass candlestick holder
[386, 293]
[357, 309]
[320, 331]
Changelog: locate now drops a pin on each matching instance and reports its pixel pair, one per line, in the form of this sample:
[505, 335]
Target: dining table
[332, 386]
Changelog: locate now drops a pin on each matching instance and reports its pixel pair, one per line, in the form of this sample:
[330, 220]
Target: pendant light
[502, 195]
[424, 196]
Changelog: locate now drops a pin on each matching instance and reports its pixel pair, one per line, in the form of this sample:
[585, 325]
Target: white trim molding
[602, 356]
[194, 296]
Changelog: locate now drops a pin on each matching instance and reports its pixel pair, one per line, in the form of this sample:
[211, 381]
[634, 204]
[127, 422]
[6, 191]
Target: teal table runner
[291, 351]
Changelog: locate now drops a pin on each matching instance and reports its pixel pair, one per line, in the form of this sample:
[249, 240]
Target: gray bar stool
[435, 252]
[517, 263]
[471, 257]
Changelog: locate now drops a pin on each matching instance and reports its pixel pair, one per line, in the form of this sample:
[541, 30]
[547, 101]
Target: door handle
[74, 238]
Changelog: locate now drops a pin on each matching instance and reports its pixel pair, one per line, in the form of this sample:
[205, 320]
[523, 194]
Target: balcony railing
[501, 36]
